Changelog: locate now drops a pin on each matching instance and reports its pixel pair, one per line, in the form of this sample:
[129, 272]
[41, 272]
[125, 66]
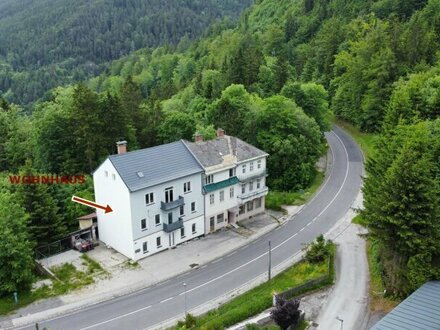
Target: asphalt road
[147, 308]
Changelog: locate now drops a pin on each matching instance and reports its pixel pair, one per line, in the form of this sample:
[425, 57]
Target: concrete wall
[114, 227]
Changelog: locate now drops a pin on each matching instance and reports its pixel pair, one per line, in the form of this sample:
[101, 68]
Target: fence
[309, 285]
[62, 245]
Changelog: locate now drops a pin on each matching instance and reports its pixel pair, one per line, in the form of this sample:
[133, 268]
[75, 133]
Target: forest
[272, 79]
[48, 43]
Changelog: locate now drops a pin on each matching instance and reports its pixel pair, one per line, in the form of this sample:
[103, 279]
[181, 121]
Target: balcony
[242, 198]
[169, 227]
[250, 176]
[172, 205]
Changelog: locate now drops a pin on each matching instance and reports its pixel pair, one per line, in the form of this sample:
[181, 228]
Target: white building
[234, 183]
[156, 197]
[169, 194]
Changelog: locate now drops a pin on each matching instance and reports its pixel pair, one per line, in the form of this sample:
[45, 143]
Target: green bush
[318, 251]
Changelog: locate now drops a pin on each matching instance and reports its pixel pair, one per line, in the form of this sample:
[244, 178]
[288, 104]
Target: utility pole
[270, 260]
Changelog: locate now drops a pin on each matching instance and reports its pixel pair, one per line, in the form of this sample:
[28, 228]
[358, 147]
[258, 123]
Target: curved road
[151, 306]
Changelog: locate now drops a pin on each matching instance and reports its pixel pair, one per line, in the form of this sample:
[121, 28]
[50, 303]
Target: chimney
[220, 132]
[198, 137]
[122, 147]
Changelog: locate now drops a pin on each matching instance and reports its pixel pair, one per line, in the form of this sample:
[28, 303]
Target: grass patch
[259, 298]
[366, 141]
[275, 199]
[379, 302]
[358, 220]
[92, 265]
[70, 279]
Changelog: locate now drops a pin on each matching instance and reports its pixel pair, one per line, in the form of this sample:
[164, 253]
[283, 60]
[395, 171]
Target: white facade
[114, 227]
[137, 229]
[237, 201]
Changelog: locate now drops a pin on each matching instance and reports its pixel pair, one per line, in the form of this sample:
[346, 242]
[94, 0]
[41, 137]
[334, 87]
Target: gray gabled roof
[151, 166]
[421, 310]
[211, 152]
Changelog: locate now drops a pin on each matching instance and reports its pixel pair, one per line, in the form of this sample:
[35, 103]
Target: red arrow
[83, 201]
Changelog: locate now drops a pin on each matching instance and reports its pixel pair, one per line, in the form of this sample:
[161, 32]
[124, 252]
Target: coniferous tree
[16, 249]
[45, 222]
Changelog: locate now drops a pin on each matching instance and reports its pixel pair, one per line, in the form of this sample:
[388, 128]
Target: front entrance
[171, 239]
[231, 216]
[211, 224]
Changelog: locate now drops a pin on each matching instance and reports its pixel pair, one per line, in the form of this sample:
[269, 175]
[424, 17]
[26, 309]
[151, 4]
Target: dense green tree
[401, 196]
[413, 99]
[89, 35]
[85, 111]
[230, 110]
[292, 140]
[16, 250]
[363, 77]
[45, 222]
[312, 98]
[176, 126]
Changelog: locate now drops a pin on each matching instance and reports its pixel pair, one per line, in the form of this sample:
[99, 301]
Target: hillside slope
[47, 43]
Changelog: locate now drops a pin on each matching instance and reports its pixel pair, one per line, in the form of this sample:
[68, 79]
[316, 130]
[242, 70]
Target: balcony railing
[249, 176]
[253, 194]
[172, 205]
[169, 227]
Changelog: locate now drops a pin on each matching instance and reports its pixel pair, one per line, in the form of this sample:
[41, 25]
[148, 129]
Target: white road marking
[116, 318]
[165, 300]
[254, 259]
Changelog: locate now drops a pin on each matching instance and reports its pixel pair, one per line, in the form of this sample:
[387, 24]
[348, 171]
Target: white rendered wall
[140, 210]
[114, 227]
[151, 239]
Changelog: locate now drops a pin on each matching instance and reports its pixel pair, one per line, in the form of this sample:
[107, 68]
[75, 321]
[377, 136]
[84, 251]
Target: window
[209, 179]
[169, 195]
[182, 232]
[231, 172]
[222, 196]
[182, 210]
[251, 185]
[170, 218]
[193, 206]
[106, 174]
[231, 192]
[251, 166]
[220, 218]
[241, 209]
[243, 168]
[259, 163]
[149, 198]
[193, 227]
[145, 247]
[258, 203]
[243, 188]
[114, 176]
[258, 183]
[157, 219]
[144, 224]
[211, 199]
[187, 187]
[158, 243]
[250, 206]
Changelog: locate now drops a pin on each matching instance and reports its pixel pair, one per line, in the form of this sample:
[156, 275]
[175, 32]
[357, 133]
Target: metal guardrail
[169, 227]
[172, 205]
